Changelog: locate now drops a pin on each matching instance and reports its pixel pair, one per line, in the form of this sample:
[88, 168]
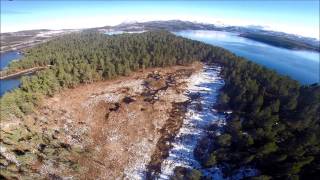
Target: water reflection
[302, 66]
[5, 59]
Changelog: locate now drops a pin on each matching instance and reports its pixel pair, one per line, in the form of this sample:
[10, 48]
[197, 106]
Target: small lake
[5, 59]
[302, 66]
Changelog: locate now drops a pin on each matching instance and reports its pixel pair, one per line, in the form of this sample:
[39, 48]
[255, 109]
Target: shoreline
[22, 72]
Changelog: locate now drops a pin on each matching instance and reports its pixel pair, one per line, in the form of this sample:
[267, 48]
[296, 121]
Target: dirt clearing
[114, 126]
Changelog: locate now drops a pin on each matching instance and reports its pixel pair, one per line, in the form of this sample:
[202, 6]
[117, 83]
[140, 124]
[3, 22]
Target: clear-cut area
[104, 129]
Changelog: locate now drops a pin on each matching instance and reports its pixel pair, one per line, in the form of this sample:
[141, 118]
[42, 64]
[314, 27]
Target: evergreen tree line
[91, 56]
[274, 126]
[275, 121]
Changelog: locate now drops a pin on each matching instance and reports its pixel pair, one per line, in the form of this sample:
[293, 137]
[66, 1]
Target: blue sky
[298, 17]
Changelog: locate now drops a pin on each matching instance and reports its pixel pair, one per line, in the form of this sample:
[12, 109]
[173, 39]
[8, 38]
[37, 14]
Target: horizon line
[141, 21]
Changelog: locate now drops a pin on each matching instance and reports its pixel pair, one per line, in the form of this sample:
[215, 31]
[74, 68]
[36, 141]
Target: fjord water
[12, 83]
[8, 85]
[7, 57]
[302, 66]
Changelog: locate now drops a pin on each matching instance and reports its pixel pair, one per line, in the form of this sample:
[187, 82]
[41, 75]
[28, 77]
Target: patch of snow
[49, 33]
[205, 83]
[123, 32]
[113, 95]
[136, 168]
[8, 156]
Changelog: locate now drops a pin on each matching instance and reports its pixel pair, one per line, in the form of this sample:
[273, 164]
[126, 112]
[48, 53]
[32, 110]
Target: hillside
[22, 39]
[93, 91]
[274, 38]
[172, 25]
[280, 41]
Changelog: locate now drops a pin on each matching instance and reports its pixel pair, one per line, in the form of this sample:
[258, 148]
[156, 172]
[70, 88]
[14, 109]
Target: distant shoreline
[21, 73]
[282, 42]
[24, 39]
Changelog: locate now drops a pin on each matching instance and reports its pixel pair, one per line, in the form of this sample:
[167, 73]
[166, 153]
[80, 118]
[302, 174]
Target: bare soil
[119, 126]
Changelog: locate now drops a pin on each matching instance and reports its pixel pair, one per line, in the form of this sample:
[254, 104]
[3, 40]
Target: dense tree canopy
[275, 121]
[91, 56]
[274, 126]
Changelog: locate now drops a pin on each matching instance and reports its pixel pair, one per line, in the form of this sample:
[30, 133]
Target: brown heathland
[114, 126]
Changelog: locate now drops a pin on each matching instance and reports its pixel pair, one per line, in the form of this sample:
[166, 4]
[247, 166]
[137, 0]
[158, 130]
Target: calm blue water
[8, 84]
[6, 58]
[299, 65]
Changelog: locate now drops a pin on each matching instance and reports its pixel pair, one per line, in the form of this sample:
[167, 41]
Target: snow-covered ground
[200, 116]
[49, 33]
[206, 84]
[123, 32]
[52, 33]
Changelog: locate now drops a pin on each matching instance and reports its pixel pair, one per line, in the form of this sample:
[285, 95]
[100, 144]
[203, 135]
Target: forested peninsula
[274, 125]
[280, 41]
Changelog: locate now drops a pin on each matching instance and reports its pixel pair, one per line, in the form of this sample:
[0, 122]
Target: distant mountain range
[21, 39]
[256, 33]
